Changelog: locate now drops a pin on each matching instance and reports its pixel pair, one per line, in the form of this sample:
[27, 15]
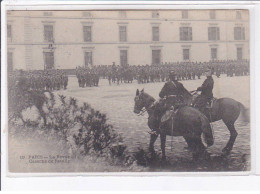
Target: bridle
[143, 110]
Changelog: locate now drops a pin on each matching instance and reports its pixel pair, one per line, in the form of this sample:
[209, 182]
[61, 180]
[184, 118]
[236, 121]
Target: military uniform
[206, 94]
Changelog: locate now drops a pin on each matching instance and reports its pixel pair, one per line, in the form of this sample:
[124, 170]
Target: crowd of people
[87, 76]
[184, 71]
[38, 80]
[115, 74]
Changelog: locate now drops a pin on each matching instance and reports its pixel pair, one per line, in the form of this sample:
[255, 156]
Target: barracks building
[40, 40]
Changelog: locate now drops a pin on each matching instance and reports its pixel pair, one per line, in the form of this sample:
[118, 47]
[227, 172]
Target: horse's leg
[199, 150]
[163, 141]
[189, 143]
[233, 135]
[153, 138]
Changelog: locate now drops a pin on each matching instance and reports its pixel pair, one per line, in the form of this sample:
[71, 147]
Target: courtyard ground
[117, 102]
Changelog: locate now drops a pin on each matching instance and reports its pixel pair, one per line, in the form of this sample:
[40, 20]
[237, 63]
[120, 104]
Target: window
[186, 54]
[87, 33]
[122, 14]
[239, 53]
[238, 15]
[88, 59]
[156, 33]
[9, 32]
[123, 57]
[86, 14]
[156, 57]
[212, 14]
[47, 13]
[10, 61]
[122, 34]
[214, 53]
[184, 14]
[213, 33]
[185, 33]
[48, 60]
[48, 33]
[239, 33]
[155, 14]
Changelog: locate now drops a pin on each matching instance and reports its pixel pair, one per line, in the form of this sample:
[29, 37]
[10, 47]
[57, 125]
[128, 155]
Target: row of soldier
[184, 71]
[58, 79]
[87, 76]
[38, 80]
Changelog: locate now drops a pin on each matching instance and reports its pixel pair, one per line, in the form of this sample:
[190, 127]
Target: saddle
[172, 104]
[169, 114]
[210, 103]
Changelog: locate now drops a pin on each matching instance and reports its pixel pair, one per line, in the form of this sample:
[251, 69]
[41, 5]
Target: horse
[225, 109]
[21, 100]
[188, 122]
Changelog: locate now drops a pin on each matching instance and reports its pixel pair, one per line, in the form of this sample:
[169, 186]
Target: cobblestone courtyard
[117, 101]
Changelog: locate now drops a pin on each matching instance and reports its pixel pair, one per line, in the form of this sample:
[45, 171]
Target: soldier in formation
[39, 80]
[184, 71]
[87, 77]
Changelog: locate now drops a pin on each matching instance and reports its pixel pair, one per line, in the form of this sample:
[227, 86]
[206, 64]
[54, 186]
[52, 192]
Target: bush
[84, 129]
[81, 126]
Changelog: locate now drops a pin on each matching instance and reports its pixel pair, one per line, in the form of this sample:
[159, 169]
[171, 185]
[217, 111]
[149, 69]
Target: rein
[142, 112]
[145, 109]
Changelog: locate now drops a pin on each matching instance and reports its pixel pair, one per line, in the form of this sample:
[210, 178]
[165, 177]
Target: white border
[61, 5]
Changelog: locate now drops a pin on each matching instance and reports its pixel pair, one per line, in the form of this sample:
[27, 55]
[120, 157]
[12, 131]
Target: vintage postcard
[100, 91]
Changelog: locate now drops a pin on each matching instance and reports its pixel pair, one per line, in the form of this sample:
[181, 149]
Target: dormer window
[212, 14]
[238, 15]
[185, 14]
[47, 13]
[87, 14]
[122, 14]
[155, 14]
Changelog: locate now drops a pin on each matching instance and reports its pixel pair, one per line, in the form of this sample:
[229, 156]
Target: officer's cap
[172, 73]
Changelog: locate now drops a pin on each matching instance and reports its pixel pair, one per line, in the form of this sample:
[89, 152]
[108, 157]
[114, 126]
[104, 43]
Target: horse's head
[139, 101]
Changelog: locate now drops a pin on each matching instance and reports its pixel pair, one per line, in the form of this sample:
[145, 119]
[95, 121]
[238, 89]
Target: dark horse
[225, 109]
[21, 100]
[188, 122]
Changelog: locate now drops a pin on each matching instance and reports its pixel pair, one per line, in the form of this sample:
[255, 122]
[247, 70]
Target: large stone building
[67, 39]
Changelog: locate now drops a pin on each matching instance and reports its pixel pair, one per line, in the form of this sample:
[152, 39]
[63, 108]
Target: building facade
[67, 39]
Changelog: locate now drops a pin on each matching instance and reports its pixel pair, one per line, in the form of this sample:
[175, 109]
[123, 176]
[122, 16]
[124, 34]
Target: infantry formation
[38, 80]
[184, 71]
[87, 77]
[115, 74]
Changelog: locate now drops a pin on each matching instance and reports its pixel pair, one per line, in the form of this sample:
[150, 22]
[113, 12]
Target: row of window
[185, 33]
[156, 14]
[88, 61]
[185, 14]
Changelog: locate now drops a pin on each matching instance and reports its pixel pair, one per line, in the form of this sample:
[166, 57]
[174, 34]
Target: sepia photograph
[102, 91]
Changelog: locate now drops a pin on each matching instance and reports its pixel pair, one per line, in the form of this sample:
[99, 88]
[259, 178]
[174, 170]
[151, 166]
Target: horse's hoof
[152, 155]
[207, 156]
[163, 161]
[226, 151]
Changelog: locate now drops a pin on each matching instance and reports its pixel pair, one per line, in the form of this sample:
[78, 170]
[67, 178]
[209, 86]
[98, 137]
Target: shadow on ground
[216, 163]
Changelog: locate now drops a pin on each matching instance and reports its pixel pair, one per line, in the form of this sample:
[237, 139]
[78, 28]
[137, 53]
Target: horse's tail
[245, 114]
[207, 135]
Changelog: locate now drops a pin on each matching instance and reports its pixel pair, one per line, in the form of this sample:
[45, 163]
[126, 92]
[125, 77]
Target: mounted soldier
[173, 95]
[173, 88]
[203, 101]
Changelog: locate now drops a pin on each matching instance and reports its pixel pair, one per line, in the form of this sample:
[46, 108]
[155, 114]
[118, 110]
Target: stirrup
[153, 133]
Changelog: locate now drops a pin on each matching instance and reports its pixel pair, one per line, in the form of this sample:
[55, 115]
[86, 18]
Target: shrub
[81, 126]
[84, 129]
